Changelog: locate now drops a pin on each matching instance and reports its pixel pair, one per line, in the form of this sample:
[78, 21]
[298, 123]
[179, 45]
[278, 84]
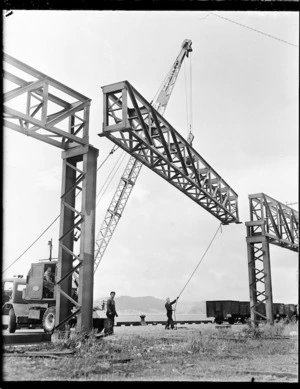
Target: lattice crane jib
[160, 104]
[271, 222]
[134, 166]
[38, 106]
[132, 123]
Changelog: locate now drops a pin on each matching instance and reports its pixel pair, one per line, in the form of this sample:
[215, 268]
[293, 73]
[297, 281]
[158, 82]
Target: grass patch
[126, 356]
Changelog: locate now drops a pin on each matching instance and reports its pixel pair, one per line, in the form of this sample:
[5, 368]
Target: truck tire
[12, 322]
[49, 320]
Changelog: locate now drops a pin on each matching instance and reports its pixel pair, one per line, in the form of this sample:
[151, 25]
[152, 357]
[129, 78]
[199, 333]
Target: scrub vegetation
[193, 353]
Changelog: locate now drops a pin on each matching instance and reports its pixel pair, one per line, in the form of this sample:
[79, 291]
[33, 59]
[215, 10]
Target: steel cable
[57, 217]
[120, 160]
[220, 227]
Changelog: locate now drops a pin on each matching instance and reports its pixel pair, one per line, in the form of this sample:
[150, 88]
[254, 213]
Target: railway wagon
[221, 310]
[244, 310]
[279, 309]
[290, 310]
[233, 311]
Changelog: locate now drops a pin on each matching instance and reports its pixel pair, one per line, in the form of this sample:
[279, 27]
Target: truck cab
[12, 290]
[15, 309]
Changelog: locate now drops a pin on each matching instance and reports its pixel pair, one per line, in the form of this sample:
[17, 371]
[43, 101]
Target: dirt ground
[151, 353]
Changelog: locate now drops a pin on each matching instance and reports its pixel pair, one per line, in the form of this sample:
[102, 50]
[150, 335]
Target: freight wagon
[233, 311]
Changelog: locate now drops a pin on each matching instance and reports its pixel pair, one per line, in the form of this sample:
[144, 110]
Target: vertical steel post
[83, 220]
[65, 258]
[259, 264]
[258, 251]
[252, 280]
[87, 240]
[268, 280]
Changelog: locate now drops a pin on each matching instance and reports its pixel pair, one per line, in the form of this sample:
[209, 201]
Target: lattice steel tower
[275, 223]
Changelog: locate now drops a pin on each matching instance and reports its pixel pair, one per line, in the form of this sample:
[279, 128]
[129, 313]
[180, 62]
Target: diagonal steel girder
[133, 124]
[39, 106]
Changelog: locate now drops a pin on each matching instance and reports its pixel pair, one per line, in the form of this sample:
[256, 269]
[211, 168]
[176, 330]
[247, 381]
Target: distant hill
[152, 305]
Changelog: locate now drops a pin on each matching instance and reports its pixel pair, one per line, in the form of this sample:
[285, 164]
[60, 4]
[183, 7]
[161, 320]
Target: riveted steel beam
[132, 123]
[33, 105]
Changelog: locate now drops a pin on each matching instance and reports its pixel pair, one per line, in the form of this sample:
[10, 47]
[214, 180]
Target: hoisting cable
[120, 160]
[186, 101]
[57, 217]
[111, 152]
[191, 97]
[219, 228]
[31, 244]
[111, 172]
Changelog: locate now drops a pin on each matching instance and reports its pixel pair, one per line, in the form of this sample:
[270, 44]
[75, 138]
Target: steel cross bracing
[133, 124]
[277, 221]
[40, 107]
[133, 167]
[271, 222]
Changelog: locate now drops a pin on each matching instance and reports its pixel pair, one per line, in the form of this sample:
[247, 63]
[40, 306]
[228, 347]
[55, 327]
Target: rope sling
[219, 228]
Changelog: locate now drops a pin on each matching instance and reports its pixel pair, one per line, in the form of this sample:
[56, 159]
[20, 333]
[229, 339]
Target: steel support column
[271, 222]
[38, 106]
[77, 216]
[87, 240]
[65, 257]
[260, 284]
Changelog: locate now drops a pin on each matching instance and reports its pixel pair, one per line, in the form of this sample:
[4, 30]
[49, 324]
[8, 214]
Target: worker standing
[169, 309]
[110, 313]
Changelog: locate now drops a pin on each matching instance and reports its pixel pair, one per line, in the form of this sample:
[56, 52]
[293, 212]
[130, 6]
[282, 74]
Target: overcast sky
[245, 122]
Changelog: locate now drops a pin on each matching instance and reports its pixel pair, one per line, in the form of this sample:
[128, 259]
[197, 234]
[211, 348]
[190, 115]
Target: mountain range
[152, 305]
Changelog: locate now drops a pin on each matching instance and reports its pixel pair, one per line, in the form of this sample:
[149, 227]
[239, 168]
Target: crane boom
[164, 95]
[133, 168]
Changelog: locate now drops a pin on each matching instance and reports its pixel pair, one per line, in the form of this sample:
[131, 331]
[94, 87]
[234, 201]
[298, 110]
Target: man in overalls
[168, 306]
[110, 313]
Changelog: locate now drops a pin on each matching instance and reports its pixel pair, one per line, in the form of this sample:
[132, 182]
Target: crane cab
[37, 287]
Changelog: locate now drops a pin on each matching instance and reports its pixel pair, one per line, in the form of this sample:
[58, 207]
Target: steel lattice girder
[280, 222]
[133, 124]
[60, 118]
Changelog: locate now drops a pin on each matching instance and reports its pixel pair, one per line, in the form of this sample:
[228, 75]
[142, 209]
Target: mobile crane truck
[31, 303]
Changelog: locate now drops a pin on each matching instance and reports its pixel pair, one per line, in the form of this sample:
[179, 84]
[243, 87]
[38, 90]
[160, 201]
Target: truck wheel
[12, 322]
[49, 320]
